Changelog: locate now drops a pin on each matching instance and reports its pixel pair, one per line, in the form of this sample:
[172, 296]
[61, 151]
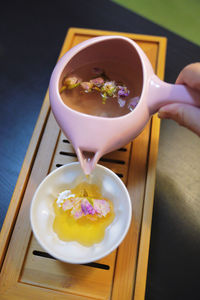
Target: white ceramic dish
[42, 213]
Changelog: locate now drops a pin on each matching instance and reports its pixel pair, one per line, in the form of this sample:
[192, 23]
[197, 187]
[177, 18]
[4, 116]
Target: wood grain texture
[27, 271]
[141, 275]
[15, 202]
[126, 264]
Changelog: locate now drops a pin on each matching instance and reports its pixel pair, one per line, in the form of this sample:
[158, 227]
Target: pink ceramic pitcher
[93, 136]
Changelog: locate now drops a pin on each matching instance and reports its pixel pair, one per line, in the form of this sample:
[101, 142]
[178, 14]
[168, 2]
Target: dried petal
[71, 82]
[97, 89]
[101, 84]
[97, 81]
[123, 91]
[87, 86]
[109, 88]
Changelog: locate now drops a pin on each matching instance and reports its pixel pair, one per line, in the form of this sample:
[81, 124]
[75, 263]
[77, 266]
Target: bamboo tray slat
[26, 271]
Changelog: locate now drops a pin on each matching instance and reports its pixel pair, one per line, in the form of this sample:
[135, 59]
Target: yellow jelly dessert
[82, 214]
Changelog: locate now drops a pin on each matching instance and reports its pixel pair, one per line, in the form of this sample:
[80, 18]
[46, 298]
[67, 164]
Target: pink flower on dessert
[83, 206]
[102, 207]
[68, 204]
[86, 207]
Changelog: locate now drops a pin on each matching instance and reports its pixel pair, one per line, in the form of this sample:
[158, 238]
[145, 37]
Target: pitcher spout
[88, 160]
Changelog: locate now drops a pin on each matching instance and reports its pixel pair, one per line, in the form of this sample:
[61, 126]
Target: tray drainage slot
[68, 153]
[122, 149]
[92, 264]
[58, 165]
[116, 161]
[119, 175]
[66, 141]
[103, 159]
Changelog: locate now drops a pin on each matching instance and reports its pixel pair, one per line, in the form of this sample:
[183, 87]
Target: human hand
[185, 114]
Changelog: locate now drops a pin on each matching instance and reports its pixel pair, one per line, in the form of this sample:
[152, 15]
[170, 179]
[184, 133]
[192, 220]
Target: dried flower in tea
[102, 84]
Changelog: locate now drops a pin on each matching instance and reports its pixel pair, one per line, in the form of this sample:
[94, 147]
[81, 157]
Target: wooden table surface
[31, 37]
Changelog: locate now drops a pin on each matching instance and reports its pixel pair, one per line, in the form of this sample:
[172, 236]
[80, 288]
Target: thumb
[184, 114]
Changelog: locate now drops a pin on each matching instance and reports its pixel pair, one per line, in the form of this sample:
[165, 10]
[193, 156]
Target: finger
[184, 114]
[190, 76]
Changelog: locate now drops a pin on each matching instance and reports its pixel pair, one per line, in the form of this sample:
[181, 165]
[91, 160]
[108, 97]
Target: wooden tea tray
[27, 272]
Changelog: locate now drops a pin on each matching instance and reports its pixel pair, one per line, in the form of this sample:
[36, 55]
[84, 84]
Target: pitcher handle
[162, 93]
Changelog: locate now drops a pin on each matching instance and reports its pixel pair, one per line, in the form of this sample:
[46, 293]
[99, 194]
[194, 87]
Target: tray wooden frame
[21, 275]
